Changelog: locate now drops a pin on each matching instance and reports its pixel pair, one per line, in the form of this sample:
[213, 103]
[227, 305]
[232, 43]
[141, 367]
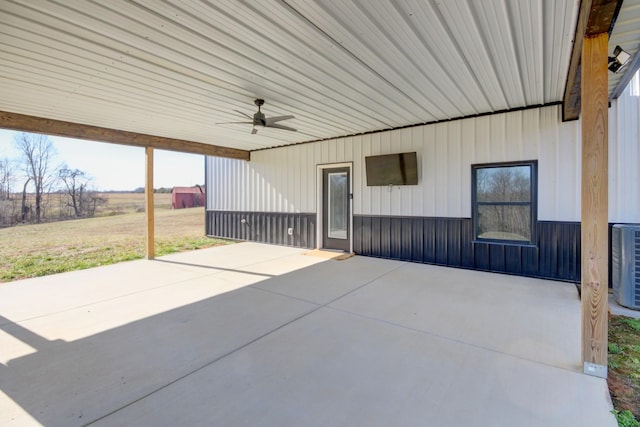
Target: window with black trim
[504, 201]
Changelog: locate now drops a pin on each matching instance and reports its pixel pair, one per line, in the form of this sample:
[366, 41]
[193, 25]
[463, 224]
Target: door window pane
[337, 209]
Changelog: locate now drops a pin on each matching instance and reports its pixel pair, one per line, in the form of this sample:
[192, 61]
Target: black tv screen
[392, 169]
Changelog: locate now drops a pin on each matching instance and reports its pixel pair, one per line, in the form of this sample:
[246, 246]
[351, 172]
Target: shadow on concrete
[213, 267]
[356, 342]
[75, 383]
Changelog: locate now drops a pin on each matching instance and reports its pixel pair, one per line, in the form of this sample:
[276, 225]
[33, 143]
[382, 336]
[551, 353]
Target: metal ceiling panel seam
[435, 36]
[417, 64]
[322, 87]
[346, 83]
[499, 40]
[528, 38]
[439, 59]
[557, 64]
[378, 81]
[464, 29]
[51, 46]
[368, 38]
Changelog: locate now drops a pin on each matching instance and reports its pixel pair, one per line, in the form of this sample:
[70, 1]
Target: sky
[116, 167]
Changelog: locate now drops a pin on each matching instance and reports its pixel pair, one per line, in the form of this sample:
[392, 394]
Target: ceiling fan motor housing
[259, 119]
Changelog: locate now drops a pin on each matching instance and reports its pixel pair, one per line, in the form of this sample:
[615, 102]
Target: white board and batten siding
[284, 179]
[624, 155]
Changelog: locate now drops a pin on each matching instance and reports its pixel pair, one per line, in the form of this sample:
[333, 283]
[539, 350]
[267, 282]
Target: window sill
[504, 243]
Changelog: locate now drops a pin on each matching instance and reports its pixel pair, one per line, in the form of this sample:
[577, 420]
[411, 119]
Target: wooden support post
[149, 207]
[595, 268]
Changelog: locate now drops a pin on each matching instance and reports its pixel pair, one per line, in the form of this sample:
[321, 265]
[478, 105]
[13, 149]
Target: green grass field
[56, 206]
[119, 203]
[48, 248]
[624, 369]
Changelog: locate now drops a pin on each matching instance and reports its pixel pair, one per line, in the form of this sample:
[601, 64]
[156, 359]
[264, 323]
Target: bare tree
[6, 178]
[37, 151]
[7, 206]
[25, 208]
[76, 184]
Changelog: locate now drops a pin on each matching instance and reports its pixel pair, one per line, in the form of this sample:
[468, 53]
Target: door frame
[319, 201]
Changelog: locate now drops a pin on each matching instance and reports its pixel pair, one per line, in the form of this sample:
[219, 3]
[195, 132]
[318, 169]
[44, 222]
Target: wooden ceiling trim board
[594, 17]
[25, 123]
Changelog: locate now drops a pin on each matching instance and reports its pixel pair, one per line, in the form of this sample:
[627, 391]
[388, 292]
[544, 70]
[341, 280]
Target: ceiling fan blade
[283, 127]
[244, 114]
[235, 123]
[277, 119]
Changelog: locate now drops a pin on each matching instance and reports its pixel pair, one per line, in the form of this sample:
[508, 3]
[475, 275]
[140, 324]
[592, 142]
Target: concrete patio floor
[258, 335]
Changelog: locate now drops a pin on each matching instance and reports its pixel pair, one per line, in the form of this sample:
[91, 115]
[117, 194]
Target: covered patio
[179, 75]
[253, 334]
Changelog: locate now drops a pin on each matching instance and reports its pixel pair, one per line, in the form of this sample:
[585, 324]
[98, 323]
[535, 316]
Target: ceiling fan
[259, 119]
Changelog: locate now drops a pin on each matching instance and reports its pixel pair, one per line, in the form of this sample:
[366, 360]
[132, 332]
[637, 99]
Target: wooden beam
[594, 227]
[602, 16]
[571, 100]
[594, 17]
[25, 123]
[149, 205]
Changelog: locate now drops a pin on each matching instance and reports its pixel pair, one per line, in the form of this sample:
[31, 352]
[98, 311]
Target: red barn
[187, 197]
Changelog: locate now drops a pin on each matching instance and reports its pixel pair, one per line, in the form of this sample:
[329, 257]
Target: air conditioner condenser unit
[625, 265]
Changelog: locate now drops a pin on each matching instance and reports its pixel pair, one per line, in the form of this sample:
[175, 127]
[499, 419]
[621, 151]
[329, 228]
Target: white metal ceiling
[176, 68]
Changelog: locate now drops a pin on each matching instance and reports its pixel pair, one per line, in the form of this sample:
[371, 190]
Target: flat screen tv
[392, 169]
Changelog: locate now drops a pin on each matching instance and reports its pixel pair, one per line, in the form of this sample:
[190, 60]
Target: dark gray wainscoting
[441, 241]
[265, 227]
[449, 242]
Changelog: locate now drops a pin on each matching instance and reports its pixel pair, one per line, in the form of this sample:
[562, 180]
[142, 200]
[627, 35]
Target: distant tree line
[30, 184]
[161, 190]
[33, 189]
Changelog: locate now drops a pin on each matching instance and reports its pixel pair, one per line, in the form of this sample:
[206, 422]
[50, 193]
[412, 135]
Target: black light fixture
[618, 60]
